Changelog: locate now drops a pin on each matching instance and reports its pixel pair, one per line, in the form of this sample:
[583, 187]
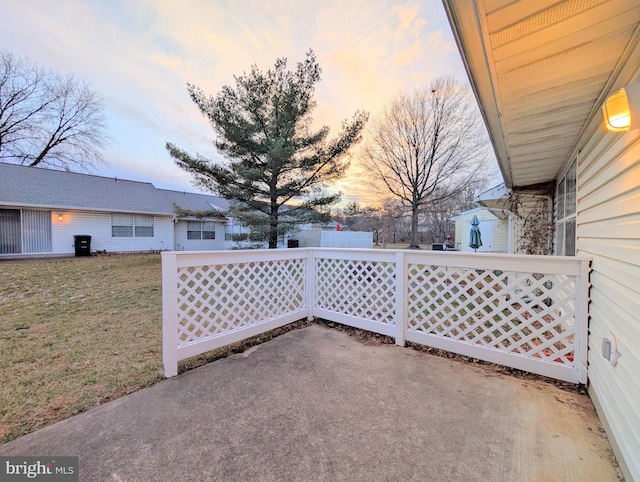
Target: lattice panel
[214, 300]
[530, 314]
[364, 289]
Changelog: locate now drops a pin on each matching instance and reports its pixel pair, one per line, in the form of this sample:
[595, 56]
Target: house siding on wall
[608, 228]
[41, 210]
[98, 226]
[182, 243]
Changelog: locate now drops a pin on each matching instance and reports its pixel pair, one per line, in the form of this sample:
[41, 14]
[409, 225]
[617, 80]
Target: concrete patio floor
[315, 404]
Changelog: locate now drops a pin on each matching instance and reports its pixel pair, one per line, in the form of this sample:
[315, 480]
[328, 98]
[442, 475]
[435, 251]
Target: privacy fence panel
[356, 288]
[215, 299]
[526, 312]
[517, 311]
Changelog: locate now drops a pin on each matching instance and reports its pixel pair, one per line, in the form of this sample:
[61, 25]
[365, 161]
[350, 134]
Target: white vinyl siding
[199, 235]
[98, 226]
[608, 231]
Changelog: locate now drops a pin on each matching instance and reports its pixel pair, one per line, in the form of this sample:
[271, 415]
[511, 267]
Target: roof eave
[53, 207]
[466, 25]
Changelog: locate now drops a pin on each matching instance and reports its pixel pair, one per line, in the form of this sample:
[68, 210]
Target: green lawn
[79, 332]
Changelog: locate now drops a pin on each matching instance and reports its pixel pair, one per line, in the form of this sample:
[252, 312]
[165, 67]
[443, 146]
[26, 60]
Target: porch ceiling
[540, 71]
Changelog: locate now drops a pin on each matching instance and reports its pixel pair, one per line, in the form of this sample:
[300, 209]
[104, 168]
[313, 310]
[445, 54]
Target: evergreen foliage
[277, 165]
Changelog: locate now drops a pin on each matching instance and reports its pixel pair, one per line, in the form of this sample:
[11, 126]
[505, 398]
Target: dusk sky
[139, 54]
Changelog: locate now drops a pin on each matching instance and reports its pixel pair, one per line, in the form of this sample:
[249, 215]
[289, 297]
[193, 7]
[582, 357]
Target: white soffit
[540, 70]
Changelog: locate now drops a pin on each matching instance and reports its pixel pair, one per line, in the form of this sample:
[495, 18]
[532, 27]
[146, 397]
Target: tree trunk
[273, 231]
[414, 228]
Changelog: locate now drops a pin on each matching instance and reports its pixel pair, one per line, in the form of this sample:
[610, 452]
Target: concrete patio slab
[315, 404]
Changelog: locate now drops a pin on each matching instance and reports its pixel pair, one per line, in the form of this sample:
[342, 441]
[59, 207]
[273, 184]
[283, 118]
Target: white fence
[334, 239]
[526, 312]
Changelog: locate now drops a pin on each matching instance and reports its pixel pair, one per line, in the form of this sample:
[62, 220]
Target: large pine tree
[277, 166]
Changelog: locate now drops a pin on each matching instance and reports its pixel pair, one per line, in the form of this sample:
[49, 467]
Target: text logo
[49, 469]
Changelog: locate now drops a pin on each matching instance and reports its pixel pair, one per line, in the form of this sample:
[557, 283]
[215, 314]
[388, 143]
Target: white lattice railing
[527, 312]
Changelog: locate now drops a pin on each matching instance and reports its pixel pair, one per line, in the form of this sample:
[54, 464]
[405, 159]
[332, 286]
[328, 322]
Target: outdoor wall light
[622, 109]
[59, 217]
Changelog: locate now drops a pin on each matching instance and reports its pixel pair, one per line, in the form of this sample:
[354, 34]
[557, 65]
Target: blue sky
[139, 54]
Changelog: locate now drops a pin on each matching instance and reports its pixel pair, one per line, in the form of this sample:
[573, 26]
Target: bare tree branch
[428, 147]
[47, 119]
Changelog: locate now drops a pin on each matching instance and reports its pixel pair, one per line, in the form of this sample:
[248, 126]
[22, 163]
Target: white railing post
[170, 314]
[401, 297]
[311, 283]
[582, 319]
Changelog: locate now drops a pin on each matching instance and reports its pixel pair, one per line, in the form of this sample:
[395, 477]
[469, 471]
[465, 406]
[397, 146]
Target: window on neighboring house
[566, 213]
[143, 226]
[131, 225]
[201, 230]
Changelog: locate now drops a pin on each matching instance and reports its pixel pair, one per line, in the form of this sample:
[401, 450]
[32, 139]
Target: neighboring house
[193, 233]
[541, 72]
[41, 210]
[494, 230]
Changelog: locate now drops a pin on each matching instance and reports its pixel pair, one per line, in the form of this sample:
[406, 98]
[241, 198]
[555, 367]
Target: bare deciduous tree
[356, 217]
[48, 119]
[436, 221]
[427, 147]
[392, 214]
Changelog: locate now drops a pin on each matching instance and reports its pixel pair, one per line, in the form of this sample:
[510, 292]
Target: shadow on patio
[315, 404]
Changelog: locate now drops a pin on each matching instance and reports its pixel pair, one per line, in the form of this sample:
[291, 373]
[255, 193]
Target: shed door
[486, 230]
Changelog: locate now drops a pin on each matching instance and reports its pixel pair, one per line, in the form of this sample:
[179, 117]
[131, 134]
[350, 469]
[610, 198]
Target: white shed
[494, 229]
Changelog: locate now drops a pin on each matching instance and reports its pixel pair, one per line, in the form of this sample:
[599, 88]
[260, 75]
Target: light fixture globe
[622, 109]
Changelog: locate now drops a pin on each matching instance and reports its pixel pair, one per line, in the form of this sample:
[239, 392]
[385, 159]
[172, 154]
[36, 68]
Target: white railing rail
[527, 312]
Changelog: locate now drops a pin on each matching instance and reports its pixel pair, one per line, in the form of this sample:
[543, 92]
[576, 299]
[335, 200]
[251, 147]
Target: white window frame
[201, 230]
[566, 208]
[125, 225]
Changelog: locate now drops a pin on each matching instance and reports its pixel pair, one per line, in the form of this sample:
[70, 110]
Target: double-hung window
[566, 213]
[201, 230]
[131, 225]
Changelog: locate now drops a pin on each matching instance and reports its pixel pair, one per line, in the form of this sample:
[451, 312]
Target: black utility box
[293, 243]
[438, 247]
[82, 243]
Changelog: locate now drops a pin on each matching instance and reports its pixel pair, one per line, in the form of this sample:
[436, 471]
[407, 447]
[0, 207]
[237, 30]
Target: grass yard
[80, 332]
[74, 334]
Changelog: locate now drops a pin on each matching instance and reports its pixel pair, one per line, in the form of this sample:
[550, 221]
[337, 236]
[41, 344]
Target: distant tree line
[392, 222]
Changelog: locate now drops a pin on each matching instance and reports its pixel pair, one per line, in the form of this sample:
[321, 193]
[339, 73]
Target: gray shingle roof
[195, 202]
[46, 188]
